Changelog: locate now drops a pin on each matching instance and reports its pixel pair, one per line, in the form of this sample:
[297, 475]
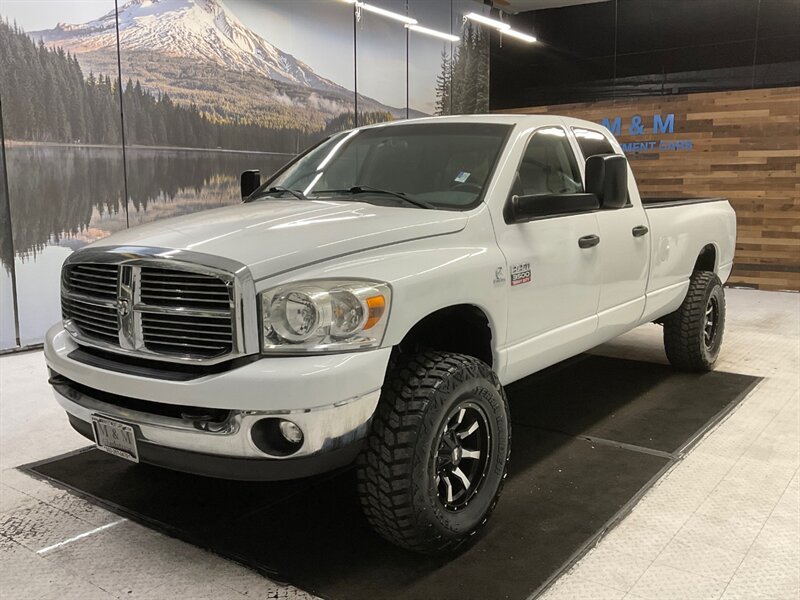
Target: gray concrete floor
[723, 523]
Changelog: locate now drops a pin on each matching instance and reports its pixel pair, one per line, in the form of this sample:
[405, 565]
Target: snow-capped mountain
[201, 30]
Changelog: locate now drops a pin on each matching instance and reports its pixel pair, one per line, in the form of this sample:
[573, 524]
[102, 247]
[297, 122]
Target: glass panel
[469, 93]
[8, 330]
[8, 334]
[63, 146]
[429, 58]
[548, 165]
[381, 64]
[592, 142]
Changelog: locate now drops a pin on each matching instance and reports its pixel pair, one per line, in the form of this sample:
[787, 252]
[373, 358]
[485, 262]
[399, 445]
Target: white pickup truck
[369, 302]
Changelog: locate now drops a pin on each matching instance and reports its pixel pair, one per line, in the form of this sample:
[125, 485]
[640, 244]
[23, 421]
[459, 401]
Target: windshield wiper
[368, 189]
[279, 190]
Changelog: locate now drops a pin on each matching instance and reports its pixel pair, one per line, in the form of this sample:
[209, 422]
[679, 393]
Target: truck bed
[664, 201]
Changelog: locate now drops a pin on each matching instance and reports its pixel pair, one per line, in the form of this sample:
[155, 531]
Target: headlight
[324, 316]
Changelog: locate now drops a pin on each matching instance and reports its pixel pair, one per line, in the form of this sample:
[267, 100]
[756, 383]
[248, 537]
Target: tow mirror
[250, 182]
[607, 178]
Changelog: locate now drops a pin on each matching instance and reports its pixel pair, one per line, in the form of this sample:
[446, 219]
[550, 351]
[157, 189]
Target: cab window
[592, 142]
[548, 165]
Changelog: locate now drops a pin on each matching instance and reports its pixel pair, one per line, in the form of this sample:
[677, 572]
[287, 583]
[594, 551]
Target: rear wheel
[436, 457]
[693, 333]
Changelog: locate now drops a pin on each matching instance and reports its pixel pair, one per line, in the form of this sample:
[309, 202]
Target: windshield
[432, 165]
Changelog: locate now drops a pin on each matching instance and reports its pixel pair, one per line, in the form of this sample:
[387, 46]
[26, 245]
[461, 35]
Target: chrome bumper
[325, 429]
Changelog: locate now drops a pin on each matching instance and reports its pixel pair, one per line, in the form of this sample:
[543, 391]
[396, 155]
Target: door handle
[589, 241]
[639, 231]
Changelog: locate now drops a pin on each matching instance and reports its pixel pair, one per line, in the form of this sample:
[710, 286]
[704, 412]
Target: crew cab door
[623, 255]
[551, 277]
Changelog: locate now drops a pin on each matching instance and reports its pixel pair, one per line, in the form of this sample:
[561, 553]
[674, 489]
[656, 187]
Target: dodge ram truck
[368, 303]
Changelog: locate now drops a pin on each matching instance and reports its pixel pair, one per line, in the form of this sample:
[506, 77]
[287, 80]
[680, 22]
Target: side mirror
[250, 182]
[527, 208]
[607, 178]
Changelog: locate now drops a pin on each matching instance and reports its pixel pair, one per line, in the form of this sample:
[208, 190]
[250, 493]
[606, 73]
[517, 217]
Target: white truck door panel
[556, 311]
[623, 254]
[552, 287]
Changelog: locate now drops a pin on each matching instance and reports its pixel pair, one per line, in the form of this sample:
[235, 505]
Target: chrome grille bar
[88, 300]
[126, 300]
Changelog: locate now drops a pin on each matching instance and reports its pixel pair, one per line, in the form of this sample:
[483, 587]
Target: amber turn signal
[376, 306]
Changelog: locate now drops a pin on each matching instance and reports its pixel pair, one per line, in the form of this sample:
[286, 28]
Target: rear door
[623, 254]
[551, 280]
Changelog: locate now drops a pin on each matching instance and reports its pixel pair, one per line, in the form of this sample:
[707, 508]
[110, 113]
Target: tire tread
[683, 328]
[385, 467]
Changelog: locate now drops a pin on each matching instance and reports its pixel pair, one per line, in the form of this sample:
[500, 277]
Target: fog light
[291, 432]
[277, 437]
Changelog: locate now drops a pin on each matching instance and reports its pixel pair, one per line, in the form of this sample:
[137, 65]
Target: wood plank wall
[745, 145]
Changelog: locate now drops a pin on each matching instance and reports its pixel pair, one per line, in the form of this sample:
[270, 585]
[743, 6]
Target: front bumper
[228, 467]
[331, 398]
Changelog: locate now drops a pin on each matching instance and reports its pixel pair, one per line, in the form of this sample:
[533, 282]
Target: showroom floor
[724, 523]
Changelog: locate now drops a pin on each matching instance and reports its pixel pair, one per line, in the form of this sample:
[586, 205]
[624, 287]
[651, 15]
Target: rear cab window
[592, 142]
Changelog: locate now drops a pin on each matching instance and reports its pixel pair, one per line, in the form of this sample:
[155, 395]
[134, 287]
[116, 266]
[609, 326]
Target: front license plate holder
[115, 438]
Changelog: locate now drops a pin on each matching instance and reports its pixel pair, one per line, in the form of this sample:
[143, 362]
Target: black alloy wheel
[463, 455]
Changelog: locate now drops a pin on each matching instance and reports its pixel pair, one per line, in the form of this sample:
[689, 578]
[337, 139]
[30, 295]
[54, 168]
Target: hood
[273, 236]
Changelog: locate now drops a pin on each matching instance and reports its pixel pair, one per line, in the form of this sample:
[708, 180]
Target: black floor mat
[590, 436]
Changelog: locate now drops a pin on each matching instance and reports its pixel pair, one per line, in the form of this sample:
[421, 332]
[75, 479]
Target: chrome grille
[207, 336]
[197, 312]
[169, 287]
[99, 281]
[90, 301]
[152, 308]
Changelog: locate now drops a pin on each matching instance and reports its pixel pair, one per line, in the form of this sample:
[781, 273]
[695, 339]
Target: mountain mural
[203, 30]
[199, 53]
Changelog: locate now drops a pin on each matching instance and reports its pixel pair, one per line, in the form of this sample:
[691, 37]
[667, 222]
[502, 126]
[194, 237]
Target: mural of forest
[54, 102]
[462, 86]
[206, 93]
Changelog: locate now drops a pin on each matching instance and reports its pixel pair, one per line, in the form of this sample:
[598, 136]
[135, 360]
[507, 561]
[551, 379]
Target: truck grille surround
[166, 310]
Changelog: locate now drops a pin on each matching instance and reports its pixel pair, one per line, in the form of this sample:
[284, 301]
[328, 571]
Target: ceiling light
[434, 33]
[519, 35]
[487, 21]
[383, 12]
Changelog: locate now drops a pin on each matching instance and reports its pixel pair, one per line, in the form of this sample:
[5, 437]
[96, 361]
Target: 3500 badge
[520, 273]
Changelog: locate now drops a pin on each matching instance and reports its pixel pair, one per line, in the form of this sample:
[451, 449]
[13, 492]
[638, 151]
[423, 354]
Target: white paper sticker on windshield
[462, 177]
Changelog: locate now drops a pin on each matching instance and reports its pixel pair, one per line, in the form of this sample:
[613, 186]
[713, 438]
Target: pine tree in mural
[443, 84]
[462, 86]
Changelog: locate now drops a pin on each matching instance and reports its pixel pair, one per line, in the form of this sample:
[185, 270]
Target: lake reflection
[67, 197]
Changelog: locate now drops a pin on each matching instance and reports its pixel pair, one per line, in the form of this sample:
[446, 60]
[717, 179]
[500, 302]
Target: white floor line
[79, 537]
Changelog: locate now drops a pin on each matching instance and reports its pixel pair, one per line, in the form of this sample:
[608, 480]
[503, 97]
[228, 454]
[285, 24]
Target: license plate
[115, 438]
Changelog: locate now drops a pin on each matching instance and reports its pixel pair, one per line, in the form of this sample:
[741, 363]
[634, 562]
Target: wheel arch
[707, 259]
[462, 328]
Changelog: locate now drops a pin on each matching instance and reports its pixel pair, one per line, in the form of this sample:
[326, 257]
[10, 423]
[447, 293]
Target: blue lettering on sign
[660, 126]
[615, 127]
[637, 126]
[675, 145]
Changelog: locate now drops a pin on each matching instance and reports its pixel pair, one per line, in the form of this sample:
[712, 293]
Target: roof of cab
[502, 119]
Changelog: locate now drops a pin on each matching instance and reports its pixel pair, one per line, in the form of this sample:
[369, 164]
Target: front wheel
[693, 333]
[437, 454]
